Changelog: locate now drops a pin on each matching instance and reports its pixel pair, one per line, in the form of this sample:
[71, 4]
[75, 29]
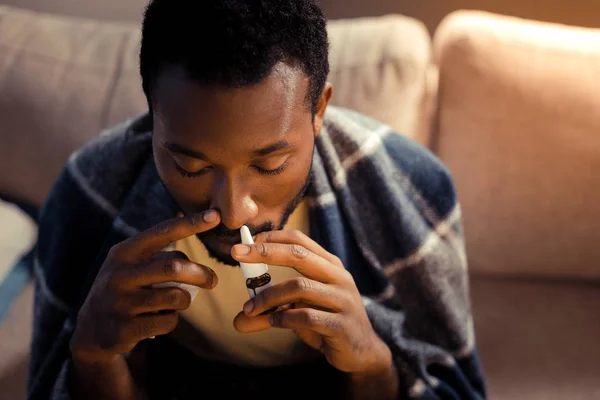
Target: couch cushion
[17, 235]
[380, 66]
[63, 79]
[519, 128]
[538, 340]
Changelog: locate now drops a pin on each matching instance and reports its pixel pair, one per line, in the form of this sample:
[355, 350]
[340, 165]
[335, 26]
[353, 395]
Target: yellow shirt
[207, 325]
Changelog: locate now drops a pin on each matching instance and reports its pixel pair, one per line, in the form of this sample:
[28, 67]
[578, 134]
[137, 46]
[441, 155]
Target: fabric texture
[519, 127]
[382, 203]
[63, 79]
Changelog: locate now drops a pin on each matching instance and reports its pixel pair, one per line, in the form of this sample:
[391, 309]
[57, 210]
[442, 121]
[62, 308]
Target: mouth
[221, 245]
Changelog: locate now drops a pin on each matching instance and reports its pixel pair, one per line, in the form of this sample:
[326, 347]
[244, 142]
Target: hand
[122, 308]
[323, 308]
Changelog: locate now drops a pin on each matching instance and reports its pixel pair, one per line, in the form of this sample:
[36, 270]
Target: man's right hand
[122, 308]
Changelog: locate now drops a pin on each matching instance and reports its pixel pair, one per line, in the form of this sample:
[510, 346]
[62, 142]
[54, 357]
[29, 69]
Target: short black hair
[234, 43]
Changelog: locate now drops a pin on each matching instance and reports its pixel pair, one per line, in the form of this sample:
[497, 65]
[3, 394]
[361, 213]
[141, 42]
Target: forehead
[192, 113]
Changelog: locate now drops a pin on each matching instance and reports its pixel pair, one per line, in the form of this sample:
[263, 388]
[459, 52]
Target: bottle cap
[251, 270]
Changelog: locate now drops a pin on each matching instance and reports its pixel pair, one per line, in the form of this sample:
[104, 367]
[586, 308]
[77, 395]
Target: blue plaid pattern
[383, 204]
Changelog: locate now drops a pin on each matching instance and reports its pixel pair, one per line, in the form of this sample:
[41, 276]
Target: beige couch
[507, 104]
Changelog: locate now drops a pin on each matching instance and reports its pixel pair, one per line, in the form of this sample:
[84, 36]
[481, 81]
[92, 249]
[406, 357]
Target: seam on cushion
[17, 53]
[407, 65]
[115, 79]
[2, 15]
[521, 46]
[381, 63]
[47, 57]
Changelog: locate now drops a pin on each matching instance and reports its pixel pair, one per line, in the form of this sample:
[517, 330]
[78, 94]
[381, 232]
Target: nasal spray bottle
[256, 274]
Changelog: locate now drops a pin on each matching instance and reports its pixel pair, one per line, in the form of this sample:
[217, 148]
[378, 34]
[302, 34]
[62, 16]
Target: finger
[322, 322]
[143, 245]
[149, 300]
[245, 324]
[150, 325]
[166, 269]
[296, 290]
[297, 237]
[169, 254]
[289, 255]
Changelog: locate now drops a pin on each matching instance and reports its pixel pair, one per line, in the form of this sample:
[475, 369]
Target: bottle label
[258, 284]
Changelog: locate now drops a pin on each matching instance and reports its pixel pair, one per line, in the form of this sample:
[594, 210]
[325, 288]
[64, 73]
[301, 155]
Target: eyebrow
[175, 148]
[272, 148]
[262, 152]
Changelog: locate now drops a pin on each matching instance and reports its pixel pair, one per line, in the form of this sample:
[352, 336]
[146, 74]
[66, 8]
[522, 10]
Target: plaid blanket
[383, 204]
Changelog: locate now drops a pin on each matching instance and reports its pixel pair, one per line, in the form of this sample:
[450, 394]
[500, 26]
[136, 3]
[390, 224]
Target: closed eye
[187, 174]
[275, 171]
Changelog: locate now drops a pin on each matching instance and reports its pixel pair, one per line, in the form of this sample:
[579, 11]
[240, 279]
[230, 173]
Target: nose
[234, 201]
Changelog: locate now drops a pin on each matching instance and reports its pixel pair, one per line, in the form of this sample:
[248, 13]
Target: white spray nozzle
[251, 270]
[246, 235]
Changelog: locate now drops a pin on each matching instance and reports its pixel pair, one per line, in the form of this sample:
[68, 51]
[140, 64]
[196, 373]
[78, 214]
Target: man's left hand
[323, 307]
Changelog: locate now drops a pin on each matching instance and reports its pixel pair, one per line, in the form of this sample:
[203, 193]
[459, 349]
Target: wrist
[84, 352]
[84, 357]
[379, 379]
[381, 361]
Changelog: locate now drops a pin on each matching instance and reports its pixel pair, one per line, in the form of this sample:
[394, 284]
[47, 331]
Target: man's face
[246, 152]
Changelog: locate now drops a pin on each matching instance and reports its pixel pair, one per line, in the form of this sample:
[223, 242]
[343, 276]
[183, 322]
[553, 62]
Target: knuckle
[194, 219]
[337, 261]
[173, 267]
[149, 300]
[299, 251]
[171, 321]
[311, 318]
[173, 297]
[263, 249]
[163, 228]
[278, 318]
[346, 300]
[296, 235]
[303, 285]
[347, 277]
[332, 324]
[267, 236]
[146, 328]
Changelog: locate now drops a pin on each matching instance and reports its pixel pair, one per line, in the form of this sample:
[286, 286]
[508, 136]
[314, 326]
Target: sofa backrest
[518, 124]
[64, 79]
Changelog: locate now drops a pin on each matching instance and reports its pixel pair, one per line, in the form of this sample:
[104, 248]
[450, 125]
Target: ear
[321, 107]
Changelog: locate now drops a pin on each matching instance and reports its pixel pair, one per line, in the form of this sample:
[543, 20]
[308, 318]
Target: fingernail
[248, 306]
[271, 319]
[209, 216]
[241, 249]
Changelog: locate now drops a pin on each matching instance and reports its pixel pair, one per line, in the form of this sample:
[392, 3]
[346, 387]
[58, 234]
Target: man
[360, 228]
